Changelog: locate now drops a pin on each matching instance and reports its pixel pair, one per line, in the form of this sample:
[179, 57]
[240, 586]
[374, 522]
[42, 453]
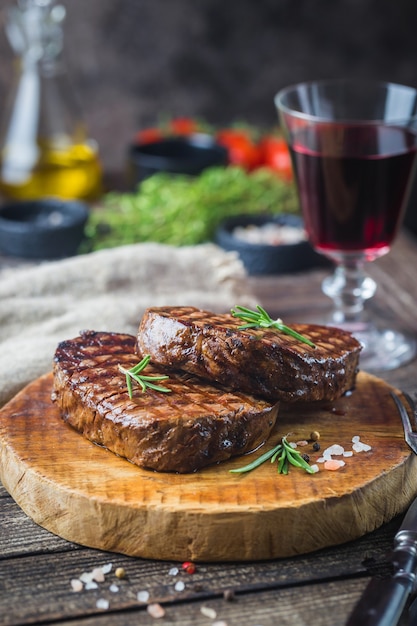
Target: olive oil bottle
[45, 148]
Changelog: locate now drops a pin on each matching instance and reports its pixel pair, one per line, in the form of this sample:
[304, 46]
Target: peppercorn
[315, 435]
[120, 572]
[316, 446]
[229, 595]
[305, 457]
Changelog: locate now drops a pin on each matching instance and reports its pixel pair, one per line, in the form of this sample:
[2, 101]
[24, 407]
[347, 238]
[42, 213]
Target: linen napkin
[105, 291]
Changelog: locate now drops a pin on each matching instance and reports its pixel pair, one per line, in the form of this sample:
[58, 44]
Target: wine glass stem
[349, 287]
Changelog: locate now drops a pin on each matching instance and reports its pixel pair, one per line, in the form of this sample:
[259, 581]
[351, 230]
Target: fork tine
[408, 431]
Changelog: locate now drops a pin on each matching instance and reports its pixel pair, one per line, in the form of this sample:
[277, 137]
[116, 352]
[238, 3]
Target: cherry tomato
[183, 126]
[242, 150]
[275, 155]
[148, 135]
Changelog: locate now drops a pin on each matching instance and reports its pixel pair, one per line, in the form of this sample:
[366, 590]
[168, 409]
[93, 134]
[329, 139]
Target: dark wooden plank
[326, 604]
[38, 587]
[20, 535]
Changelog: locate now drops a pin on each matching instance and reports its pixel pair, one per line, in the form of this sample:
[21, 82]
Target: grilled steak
[263, 362]
[194, 425]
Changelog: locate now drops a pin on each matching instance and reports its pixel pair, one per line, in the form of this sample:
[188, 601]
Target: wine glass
[353, 147]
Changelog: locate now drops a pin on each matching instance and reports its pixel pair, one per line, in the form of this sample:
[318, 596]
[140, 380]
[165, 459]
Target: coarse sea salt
[361, 447]
[174, 571]
[91, 585]
[329, 453]
[334, 450]
[208, 612]
[114, 588]
[338, 450]
[143, 596]
[102, 603]
[179, 586]
[86, 577]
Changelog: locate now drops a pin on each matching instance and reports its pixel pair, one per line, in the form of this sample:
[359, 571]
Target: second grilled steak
[262, 362]
[195, 425]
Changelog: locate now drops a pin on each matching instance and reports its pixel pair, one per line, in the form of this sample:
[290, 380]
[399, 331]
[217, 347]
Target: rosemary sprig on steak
[146, 382]
[261, 319]
[284, 453]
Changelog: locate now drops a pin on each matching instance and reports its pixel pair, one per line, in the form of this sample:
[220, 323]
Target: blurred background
[132, 62]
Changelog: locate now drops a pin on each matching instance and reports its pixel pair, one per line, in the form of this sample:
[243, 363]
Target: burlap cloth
[106, 291]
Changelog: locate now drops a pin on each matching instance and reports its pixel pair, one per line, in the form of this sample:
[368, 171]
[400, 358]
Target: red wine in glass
[353, 182]
[353, 144]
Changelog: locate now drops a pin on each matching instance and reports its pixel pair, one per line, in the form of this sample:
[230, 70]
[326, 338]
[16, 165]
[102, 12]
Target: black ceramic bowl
[42, 229]
[176, 155]
[261, 258]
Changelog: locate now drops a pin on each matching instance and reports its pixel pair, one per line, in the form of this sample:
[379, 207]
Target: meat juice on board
[353, 183]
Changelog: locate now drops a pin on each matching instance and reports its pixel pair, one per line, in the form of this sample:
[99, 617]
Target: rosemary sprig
[146, 382]
[261, 319]
[284, 453]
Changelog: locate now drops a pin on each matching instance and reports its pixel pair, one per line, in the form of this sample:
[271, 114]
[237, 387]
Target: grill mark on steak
[263, 362]
[195, 425]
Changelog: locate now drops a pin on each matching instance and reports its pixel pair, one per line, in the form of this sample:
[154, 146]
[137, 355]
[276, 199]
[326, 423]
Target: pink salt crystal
[333, 465]
[155, 610]
[208, 612]
[76, 585]
[98, 575]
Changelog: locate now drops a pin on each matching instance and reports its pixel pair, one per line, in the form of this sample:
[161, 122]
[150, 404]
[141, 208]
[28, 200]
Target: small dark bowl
[42, 229]
[263, 258]
[176, 155]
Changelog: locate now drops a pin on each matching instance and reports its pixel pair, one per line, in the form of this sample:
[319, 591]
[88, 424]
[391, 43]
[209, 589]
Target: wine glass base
[385, 349]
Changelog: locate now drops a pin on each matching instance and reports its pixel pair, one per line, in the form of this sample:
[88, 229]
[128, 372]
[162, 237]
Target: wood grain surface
[87, 495]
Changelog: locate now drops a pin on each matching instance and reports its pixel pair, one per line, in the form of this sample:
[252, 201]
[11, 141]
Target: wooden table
[36, 568]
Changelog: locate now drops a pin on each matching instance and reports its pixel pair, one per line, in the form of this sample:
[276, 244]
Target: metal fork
[409, 434]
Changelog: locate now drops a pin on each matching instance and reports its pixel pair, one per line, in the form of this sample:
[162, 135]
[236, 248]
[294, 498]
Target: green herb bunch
[183, 210]
[261, 319]
[284, 454]
[143, 380]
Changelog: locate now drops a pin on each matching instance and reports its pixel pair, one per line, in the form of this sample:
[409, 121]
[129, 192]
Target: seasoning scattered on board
[96, 579]
[298, 459]
[329, 463]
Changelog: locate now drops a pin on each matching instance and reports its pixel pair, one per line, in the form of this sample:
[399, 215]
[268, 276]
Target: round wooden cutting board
[90, 496]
